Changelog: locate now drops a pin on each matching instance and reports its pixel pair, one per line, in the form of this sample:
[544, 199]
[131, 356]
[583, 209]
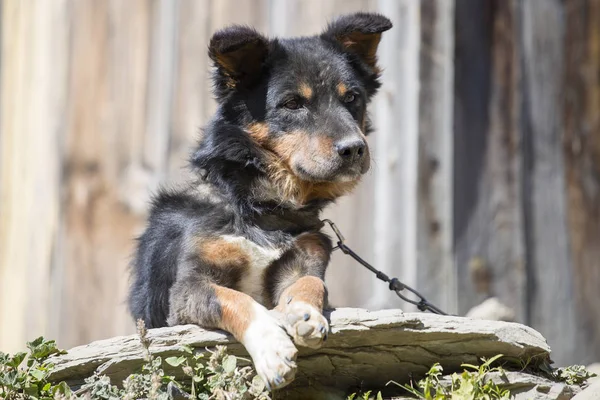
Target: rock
[523, 386]
[526, 386]
[595, 369]
[492, 309]
[365, 350]
[592, 392]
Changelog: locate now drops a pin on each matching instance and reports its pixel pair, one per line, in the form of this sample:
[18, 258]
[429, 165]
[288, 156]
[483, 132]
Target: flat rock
[366, 349]
[523, 386]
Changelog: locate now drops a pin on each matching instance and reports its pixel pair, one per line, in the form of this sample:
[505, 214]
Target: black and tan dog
[287, 139]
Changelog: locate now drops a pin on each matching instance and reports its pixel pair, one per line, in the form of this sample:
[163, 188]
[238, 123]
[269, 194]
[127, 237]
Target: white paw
[305, 324]
[271, 349]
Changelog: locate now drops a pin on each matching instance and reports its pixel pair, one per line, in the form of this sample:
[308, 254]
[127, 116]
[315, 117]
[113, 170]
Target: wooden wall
[486, 155]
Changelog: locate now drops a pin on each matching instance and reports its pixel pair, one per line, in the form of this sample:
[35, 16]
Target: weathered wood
[395, 149]
[549, 267]
[98, 226]
[581, 140]
[33, 100]
[364, 349]
[488, 230]
[435, 263]
[192, 102]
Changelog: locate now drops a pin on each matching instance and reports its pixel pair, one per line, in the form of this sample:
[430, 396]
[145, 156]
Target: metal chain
[394, 284]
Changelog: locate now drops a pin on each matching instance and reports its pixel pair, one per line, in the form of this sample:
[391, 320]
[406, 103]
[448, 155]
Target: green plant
[24, 375]
[573, 375]
[468, 385]
[217, 378]
[364, 396]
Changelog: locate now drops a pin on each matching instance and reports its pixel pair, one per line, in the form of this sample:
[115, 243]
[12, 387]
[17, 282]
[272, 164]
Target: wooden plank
[12, 264]
[192, 98]
[243, 12]
[98, 222]
[160, 85]
[396, 152]
[581, 140]
[33, 100]
[549, 265]
[435, 265]
[309, 17]
[488, 230]
[133, 93]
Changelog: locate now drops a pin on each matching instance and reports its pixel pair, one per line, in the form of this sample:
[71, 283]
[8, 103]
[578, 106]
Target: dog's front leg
[299, 291]
[302, 307]
[213, 306]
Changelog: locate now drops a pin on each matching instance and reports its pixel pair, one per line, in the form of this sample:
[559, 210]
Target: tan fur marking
[364, 44]
[306, 91]
[290, 143]
[220, 252]
[279, 152]
[237, 310]
[330, 190]
[294, 189]
[325, 144]
[308, 289]
[259, 131]
[225, 61]
[341, 89]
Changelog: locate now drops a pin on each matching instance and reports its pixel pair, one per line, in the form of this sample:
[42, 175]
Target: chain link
[394, 284]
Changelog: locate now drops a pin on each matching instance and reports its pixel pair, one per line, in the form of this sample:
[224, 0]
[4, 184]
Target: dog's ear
[359, 34]
[238, 53]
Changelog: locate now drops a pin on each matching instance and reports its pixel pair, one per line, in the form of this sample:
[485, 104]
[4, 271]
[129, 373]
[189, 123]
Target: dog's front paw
[272, 351]
[305, 324]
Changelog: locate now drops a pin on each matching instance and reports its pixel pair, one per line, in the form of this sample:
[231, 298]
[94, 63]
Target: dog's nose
[352, 149]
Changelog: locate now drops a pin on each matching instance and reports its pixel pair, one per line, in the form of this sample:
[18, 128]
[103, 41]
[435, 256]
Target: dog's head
[302, 101]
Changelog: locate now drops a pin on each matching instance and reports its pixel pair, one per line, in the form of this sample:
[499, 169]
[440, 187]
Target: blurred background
[486, 176]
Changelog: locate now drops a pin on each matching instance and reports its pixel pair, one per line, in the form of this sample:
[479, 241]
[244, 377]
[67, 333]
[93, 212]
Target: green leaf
[257, 386]
[466, 391]
[489, 362]
[41, 349]
[16, 360]
[229, 363]
[37, 374]
[156, 363]
[175, 361]
[61, 388]
[31, 390]
[187, 348]
[379, 396]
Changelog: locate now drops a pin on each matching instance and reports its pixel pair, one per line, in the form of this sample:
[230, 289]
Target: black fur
[256, 81]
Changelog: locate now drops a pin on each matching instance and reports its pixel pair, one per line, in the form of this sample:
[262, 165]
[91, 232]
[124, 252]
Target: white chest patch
[252, 281]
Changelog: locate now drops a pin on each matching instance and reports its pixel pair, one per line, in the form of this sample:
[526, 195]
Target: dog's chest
[259, 258]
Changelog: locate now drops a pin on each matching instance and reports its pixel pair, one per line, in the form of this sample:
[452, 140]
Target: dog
[243, 237]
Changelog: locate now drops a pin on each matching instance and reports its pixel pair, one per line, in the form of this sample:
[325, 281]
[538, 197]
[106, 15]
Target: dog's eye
[349, 97]
[292, 104]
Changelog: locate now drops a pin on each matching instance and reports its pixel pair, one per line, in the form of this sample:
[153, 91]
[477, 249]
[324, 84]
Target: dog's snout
[351, 150]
